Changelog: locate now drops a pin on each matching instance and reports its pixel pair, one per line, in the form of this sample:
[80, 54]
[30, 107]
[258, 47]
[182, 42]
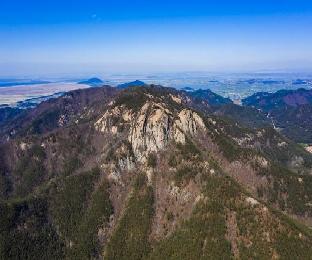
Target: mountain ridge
[138, 173]
[136, 83]
[290, 110]
[94, 82]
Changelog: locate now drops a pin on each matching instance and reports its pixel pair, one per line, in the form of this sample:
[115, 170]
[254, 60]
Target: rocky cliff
[152, 127]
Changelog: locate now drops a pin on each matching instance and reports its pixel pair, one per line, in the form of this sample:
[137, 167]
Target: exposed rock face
[152, 127]
[190, 122]
[108, 122]
[176, 99]
[252, 201]
[309, 149]
[151, 130]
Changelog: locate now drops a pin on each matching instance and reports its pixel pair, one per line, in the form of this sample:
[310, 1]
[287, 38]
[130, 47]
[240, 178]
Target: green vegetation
[30, 170]
[118, 150]
[203, 235]
[184, 173]
[189, 150]
[68, 198]
[287, 189]
[133, 98]
[257, 233]
[79, 212]
[292, 192]
[46, 121]
[70, 165]
[275, 234]
[289, 246]
[26, 233]
[172, 160]
[131, 237]
[285, 154]
[96, 215]
[245, 116]
[231, 150]
[58, 216]
[152, 160]
[5, 185]
[182, 157]
[69, 203]
[70, 149]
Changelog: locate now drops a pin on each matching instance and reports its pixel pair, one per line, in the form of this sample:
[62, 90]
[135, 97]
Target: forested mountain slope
[149, 173]
[289, 110]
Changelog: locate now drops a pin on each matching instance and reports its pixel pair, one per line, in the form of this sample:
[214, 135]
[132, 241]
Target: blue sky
[84, 37]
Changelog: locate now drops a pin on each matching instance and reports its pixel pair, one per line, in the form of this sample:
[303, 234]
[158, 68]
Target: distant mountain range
[22, 82]
[94, 82]
[136, 83]
[8, 112]
[187, 89]
[212, 98]
[282, 98]
[289, 110]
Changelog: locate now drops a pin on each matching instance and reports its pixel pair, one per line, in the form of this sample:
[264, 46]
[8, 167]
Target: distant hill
[300, 82]
[268, 101]
[136, 83]
[246, 116]
[261, 81]
[290, 110]
[212, 98]
[94, 82]
[187, 89]
[22, 82]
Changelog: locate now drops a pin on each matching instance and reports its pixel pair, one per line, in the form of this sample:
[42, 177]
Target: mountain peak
[136, 83]
[94, 82]
[211, 97]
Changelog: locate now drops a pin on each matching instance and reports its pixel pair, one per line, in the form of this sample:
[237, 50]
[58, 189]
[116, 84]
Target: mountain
[94, 82]
[261, 81]
[300, 82]
[56, 112]
[290, 111]
[16, 82]
[187, 89]
[282, 98]
[211, 97]
[244, 115]
[136, 83]
[7, 113]
[149, 173]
